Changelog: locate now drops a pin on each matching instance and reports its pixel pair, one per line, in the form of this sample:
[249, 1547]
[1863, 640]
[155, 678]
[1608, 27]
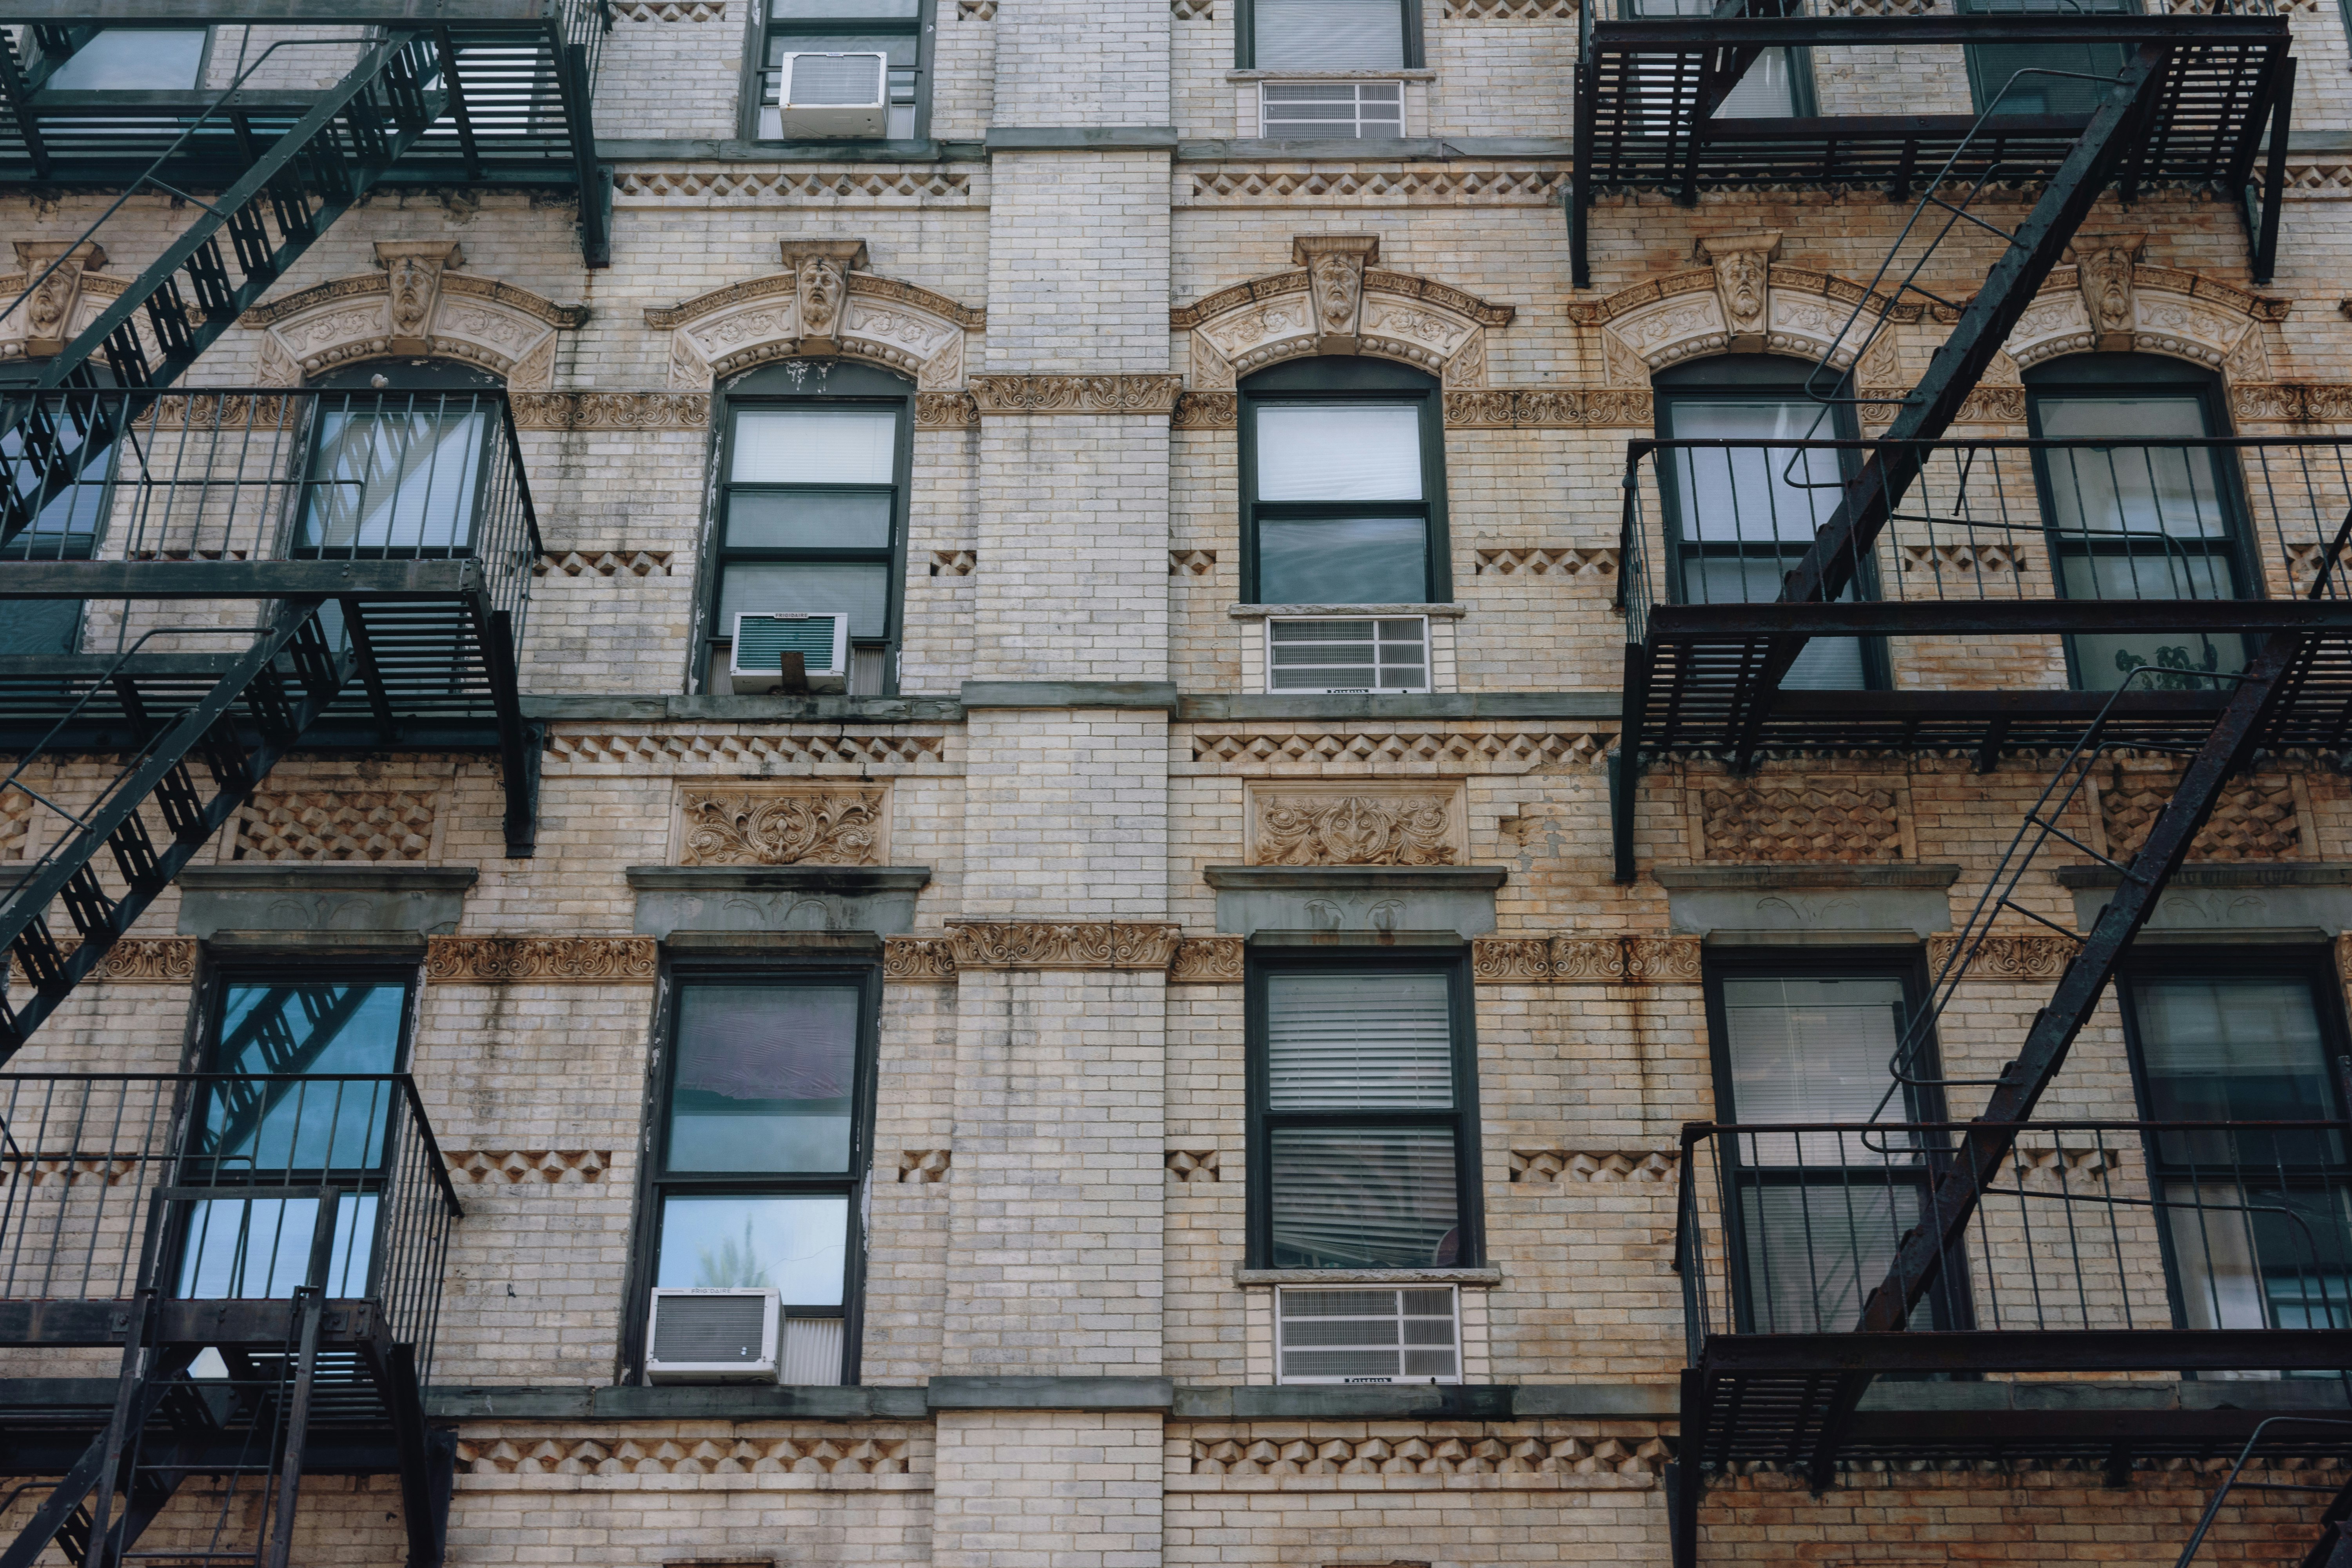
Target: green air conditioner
[757, 662]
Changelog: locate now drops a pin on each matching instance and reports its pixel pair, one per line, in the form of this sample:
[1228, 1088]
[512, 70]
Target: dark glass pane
[900, 48]
[806, 588]
[1815, 1250]
[1364, 1197]
[2237, 1048]
[808, 520]
[2260, 1256]
[1343, 561]
[260, 1247]
[288, 1029]
[797, 1247]
[828, 10]
[764, 1074]
[40, 626]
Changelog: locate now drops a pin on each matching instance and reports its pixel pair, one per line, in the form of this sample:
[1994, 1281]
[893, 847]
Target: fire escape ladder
[282, 683]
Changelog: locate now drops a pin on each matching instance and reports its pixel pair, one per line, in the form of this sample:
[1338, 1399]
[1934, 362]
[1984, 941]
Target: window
[2140, 521]
[399, 462]
[2063, 79]
[1740, 519]
[1343, 485]
[815, 77]
[134, 59]
[759, 1144]
[1777, 86]
[1329, 36]
[1816, 1215]
[2258, 1222]
[331, 1132]
[812, 514]
[1341, 109]
[68, 528]
[1364, 1125]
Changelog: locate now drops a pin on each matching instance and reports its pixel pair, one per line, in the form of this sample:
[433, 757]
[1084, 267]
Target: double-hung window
[1777, 86]
[1740, 517]
[2138, 520]
[401, 460]
[1363, 1126]
[307, 1110]
[2257, 1221]
[2058, 80]
[759, 1145]
[1329, 34]
[839, 69]
[1817, 1204]
[812, 517]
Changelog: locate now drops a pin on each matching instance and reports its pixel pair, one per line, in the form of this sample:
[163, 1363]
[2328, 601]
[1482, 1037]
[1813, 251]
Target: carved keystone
[414, 267]
[2103, 265]
[820, 269]
[1743, 265]
[50, 313]
[1335, 267]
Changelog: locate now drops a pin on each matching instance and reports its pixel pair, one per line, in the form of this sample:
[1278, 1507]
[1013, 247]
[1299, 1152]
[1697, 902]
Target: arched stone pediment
[2108, 300]
[1337, 302]
[415, 304]
[819, 305]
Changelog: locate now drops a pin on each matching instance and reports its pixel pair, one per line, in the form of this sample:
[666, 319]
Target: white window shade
[1323, 451]
[1358, 1042]
[1812, 1050]
[1329, 34]
[815, 446]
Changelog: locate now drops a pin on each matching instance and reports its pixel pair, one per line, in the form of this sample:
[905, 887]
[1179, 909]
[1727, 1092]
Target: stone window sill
[1473, 1278]
[1266, 612]
[1417, 73]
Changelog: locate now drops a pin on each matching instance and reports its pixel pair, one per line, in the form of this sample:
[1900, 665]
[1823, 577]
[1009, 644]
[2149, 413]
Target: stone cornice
[1076, 394]
[946, 411]
[611, 410]
[135, 961]
[1548, 409]
[862, 285]
[540, 960]
[1585, 961]
[1485, 312]
[1189, 961]
[569, 318]
[1702, 280]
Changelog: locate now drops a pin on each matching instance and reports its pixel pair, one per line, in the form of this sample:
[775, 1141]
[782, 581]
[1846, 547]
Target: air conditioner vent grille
[704, 1329]
[1367, 1336]
[835, 80]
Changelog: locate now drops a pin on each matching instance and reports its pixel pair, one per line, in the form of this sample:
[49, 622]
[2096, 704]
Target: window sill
[1267, 612]
[1418, 73]
[1489, 1275]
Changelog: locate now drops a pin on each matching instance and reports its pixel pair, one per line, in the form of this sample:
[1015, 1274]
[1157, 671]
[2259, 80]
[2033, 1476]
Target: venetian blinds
[1358, 1042]
[1329, 34]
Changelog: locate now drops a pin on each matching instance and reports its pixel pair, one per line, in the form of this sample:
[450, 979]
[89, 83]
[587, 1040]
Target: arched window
[815, 458]
[1343, 502]
[2140, 521]
[1737, 519]
[399, 461]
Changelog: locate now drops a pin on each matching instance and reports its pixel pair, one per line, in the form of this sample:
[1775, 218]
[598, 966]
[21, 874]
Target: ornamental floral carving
[1549, 408]
[134, 961]
[1585, 961]
[821, 304]
[2029, 957]
[787, 826]
[1207, 961]
[918, 960]
[611, 410]
[540, 960]
[1076, 394]
[417, 303]
[1374, 825]
[945, 410]
[1055, 944]
[1338, 303]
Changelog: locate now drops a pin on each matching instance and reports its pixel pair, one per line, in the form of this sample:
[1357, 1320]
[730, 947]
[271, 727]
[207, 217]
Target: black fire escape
[2064, 582]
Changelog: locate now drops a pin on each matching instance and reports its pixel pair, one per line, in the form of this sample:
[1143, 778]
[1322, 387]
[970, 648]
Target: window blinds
[1359, 451]
[1329, 34]
[1810, 1050]
[815, 446]
[1358, 1042]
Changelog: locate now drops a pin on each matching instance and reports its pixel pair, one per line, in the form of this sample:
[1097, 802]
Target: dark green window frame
[1462, 1120]
[852, 30]
[1991, 66]
[1348, 379]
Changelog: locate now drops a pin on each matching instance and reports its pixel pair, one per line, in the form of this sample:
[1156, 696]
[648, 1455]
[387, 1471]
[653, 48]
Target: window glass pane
[1343, 561]
[898, 47]
[1810, 1050]
[1815, 1251]
[40, 625]
[807, 588]
[1358, 1041]
[133, 60]
[1329, 34]
[260, 1247]
[1363, 1197]
[2256, 1257]
[1352, 451]
[1766, 91]
[290, 1029]
[2238, 1048]
[2182, 661]
[809, 520]
[1827, 664]
[764, 1077]
[2044, 90]
[2130, 491]
[400, 473]
[1736, 494]
[815, 446]
[799, 1247]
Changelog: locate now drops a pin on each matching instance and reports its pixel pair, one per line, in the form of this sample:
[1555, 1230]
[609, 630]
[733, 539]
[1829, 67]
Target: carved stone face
[412, 294]
[1334, 284]
[1741, 273]
[2106, 289]
[820, 291]
[45, 311]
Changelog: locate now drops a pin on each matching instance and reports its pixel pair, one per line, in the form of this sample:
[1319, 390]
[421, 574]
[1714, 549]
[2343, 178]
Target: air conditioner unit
[1368, 653]
[1367, 1336]
[711, 1336]
[757, 661]
[834, 95]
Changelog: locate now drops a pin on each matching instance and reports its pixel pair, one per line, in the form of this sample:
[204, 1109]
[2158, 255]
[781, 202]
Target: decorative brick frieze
[1192, 10]
[1585, 961]
[540, 960]
[1833, 819]
[1062, 944]
[2257, 818]
[1378, 824]
[16, 816]
[756, 824]
[1510, 10]
[1504, 751]
[612, 410]
[1193, 1164]
[2028, 957]
[843, 186]
[833, 1453]
[736, 752]
[1076, 394]
[1208, 961]
[2291, 402]
[1550, 1167]
[669, 10]
[919, 959]
[1196, 563]
[975, 10]
[953, 562]
[1259, 185]
[1548, 409]
[133, 961]
[608, 564]
[1555, 560]
[1500, 1450]
[519, 1167]
[925, 1166]
[331, 823]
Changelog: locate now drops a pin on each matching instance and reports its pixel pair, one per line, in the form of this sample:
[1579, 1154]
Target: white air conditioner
[764, 644]
[821, 95]
[1368, 653]
[711, 1336]
[1367, 1335]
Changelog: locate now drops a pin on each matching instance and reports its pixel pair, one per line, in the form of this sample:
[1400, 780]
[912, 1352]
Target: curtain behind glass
[764, 1077]
[1810, 1050]
[1339, 451]
[1329, 34]
[398, 476]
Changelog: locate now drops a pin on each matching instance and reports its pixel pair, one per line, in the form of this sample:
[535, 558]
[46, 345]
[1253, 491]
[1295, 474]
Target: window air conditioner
[1367, 1336]
[834, 95]
[711, 1336]
[764, 642]
[1387, 654]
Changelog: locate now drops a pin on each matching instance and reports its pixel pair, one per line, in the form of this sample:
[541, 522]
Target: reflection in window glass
[398, 474]
[763, 1078]
[133, 60]
[797, 1247]
[303, 1030]
[1343, 561]
[259, 1248]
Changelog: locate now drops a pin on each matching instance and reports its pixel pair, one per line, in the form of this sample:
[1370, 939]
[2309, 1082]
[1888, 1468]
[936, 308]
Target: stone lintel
[1820, 902]
[878, 901]
[1081, 138]
[1370, 903]
[330, 901]
[1487, 1276]
[2284, 901]
[1150, 694]
[1224, 708]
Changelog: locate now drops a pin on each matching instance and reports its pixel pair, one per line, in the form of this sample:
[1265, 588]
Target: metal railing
[1788, 1227]
[222, 1185]
[1723, 522]
[270, 476]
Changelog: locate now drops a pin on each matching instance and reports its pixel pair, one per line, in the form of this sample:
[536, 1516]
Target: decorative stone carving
[1208, 961]
[1207, 411]
[1538, 560]
[2102, 267]
[16, 812]
[1585, 961]
[1318, 752]
[2029, 957]
[1393, 315]
[1549, 408]
[814, 1458]
[739, 752]
[1054, 944]
[1679, 315]
[418, 305]
[1076, 394]
[925, 1166]
[918, 959]
[1992, 406]
[1537, 183]
[517, 1167]
[133, 961]
[611, 410]
[835, 186]
[790, 825]
[2257, 818]
[1193, 1164]
[2282, 402]
[1550, 1167]
[412, 269]
[50, 313]
[1512, 1454]
[540, 960]
[946, 410]
[1372, 826]
[1742, 264]
[1858, 820]
[329, 823]
[609, 563]
[1198, 563]
[819, 305]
